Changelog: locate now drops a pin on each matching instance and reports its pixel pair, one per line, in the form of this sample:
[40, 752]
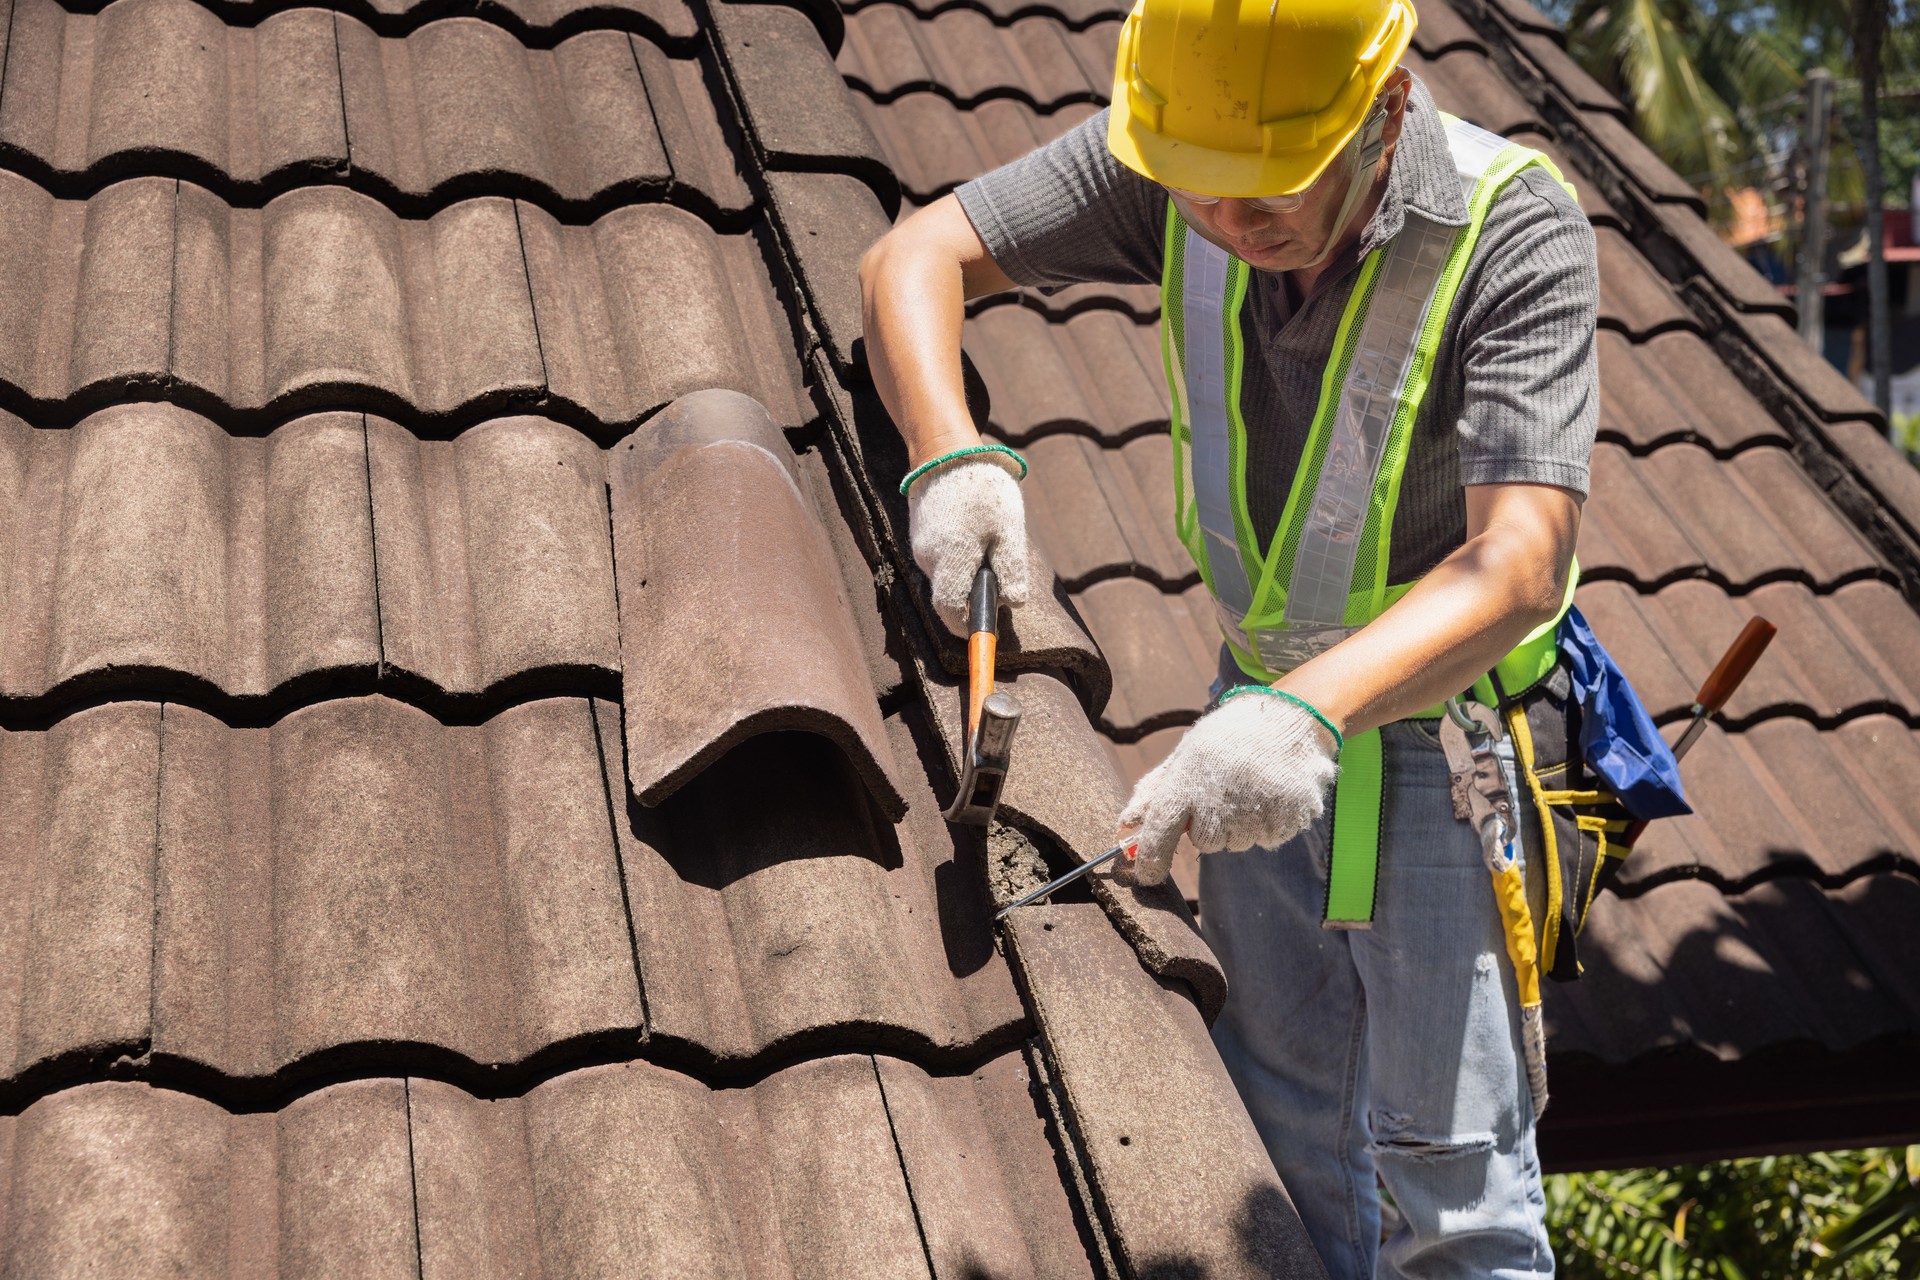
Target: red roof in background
[1753, 984]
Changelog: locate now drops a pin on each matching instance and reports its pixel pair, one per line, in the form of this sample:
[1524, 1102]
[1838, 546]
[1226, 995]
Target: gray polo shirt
[1514, 396]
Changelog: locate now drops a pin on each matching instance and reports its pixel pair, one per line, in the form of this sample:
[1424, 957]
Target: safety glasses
[1367, 140]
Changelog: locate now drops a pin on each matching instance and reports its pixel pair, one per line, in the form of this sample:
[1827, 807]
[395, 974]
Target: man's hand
[1253, 771]
[964, 512]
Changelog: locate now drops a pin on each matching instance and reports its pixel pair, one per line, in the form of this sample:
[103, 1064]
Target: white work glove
[959, 513]
[1253, 771]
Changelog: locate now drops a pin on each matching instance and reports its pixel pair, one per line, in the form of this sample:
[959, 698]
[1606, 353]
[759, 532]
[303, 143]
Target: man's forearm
[1459, 620]
[914, 285]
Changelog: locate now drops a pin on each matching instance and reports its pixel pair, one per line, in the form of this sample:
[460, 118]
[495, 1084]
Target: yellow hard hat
[1249, 97]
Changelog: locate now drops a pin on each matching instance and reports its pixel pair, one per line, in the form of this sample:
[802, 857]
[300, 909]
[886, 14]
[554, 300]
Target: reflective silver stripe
[1330, 537]
[1473, 151]
[1203, 302]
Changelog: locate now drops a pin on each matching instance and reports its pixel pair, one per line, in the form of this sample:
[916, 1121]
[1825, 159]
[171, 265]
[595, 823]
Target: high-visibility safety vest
[1323, 574]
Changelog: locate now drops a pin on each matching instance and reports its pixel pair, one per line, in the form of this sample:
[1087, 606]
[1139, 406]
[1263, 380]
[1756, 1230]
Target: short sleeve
[1069, 213]
[1532, 398]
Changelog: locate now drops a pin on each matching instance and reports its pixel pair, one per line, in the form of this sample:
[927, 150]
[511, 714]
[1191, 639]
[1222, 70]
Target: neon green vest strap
[1323, 574]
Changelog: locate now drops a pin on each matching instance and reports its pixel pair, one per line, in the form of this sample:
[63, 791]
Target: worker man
[1379, 331]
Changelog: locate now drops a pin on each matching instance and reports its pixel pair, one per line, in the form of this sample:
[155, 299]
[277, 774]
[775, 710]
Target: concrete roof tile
[1674, 388]
[780, 923]
[75, 943]
[1000, 1216]
[934, 146]
[1467, 83]
[1634, 298]
[360, 874]
[1680, 512]
[1099, 369]
[325, 294]
[831, 219]
[1162, 648]
[494, 557]
[728, 637]
[965, 55]
[799, 113]
[1092, 515]
[1183, 1177]
[165, 546]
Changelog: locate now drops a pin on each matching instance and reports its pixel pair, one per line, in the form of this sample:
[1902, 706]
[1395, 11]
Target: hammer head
[985, 769]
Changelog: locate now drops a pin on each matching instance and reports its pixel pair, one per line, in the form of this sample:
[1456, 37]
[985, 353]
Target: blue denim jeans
[1393, 1050]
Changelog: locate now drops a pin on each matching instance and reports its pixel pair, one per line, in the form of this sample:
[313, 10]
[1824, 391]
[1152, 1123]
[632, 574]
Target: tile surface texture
[473, 754]
[1735, 476]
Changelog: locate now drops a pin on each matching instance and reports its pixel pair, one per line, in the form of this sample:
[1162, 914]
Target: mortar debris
[1015, 865]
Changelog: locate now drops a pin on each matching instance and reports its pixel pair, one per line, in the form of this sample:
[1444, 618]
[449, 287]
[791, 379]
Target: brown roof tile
[1467, 84]
[1075, 13]
[934, 146]
[324, 294]
[1097, 511]
[964, 54]
[1162, 648]
[253, 110]
[798, 112]
[1185, 1183]
[819, 1169]
[1680, 512]
[1098, 369]
[734, 619]
[1674, 388]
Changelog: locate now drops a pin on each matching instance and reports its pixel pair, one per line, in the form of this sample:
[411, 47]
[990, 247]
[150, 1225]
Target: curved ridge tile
[1139, 301]
[493, 554]
[1098, 372]
[965, 55]
[324, 294]
[735, 621]
[773, 908]
[163, 545]
[935, 146]
[1679, 511]
[1187, 1186]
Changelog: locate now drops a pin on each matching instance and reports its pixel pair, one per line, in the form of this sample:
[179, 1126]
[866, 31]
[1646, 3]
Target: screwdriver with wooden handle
[1725, 677]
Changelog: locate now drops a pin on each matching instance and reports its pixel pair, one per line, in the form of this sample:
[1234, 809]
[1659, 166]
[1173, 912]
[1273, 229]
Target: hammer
[987, 736]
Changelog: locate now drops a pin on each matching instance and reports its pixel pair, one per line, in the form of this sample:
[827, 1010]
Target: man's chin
[1285, 256]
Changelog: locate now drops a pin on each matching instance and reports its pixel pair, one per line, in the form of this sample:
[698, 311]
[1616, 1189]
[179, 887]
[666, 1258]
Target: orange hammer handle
[981, 648]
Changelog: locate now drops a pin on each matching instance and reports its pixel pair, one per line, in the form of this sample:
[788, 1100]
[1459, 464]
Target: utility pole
[1813, 218]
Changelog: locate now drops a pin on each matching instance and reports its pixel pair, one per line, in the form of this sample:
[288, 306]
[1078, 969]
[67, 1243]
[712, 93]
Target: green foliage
[1845, 1214]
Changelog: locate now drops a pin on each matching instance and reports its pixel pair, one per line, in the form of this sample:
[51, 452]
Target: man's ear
[1399, 85]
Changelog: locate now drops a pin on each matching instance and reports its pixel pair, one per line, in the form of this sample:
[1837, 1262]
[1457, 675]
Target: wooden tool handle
[981, 648]
[1725, 677]
[1734, 665]
[983, 643]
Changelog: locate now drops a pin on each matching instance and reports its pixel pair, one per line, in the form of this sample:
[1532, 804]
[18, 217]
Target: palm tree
[1694, 78]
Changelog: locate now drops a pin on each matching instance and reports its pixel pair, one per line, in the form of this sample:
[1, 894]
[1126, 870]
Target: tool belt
[1573, 825]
